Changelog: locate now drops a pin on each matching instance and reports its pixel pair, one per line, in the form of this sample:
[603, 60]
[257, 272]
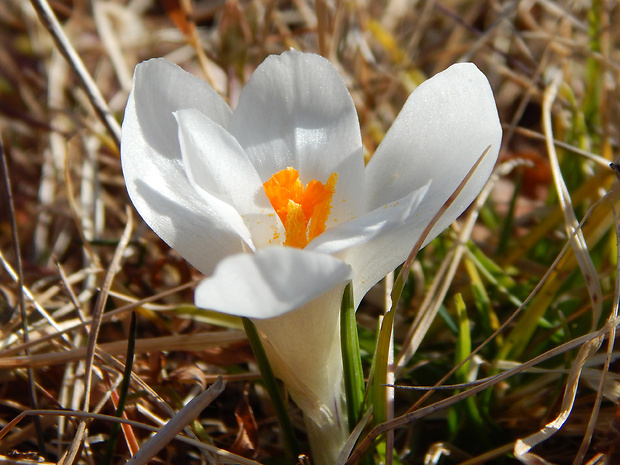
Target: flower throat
[302, 210]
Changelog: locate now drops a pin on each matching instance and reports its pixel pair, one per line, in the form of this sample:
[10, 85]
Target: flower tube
[273, 202]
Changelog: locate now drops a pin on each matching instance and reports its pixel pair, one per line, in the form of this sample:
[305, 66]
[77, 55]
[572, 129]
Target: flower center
[303, 210]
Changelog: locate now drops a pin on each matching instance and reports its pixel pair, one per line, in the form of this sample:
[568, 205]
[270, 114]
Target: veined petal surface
[271, 282]
[446, 124]
[160, 88]
[296, 111]
[152, 165]
[217, 166]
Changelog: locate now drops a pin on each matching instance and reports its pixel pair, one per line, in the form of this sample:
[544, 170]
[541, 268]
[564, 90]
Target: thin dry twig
[177, 423]
[111, 315]
[22, 302]
[228, 457]
[578, 242]
[49, 20]
[198, 341]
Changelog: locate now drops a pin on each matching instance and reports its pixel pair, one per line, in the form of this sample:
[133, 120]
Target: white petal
[377, 242]
[304, 351]
[373, 259]
[353, 233]
[218, 167]
[154, 174]
[445, 126]
[161, 88]
[297, 112]
[293, 297]
[270, 283]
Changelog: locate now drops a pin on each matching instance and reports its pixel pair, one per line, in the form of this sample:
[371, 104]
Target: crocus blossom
[273, 201]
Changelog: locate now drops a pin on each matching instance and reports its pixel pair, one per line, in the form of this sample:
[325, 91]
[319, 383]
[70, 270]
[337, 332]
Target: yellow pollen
[302, 210]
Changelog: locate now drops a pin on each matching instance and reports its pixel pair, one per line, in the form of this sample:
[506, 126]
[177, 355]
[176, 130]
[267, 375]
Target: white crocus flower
[273, 201]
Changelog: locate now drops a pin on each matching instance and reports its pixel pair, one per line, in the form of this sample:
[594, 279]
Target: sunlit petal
[357, 231]
[296, 111]
[217, 166]
[155, 178]
[377, 242]
[271, 282]
[161, 88]
[445, 126]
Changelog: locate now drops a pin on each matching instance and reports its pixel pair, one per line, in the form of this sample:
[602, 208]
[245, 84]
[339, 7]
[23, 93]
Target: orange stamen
[302, 210]
[322, 209]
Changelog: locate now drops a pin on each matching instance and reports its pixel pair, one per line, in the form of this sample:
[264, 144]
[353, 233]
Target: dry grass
[87, 261]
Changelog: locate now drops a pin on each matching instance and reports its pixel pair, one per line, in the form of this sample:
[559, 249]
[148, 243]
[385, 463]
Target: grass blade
[351, 361]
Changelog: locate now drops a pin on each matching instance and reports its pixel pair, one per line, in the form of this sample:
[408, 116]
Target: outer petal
[271, 282]
[153, 170]
[373, 259]
[445, 126]
[296, 111]
[219, 169]
[161, 88]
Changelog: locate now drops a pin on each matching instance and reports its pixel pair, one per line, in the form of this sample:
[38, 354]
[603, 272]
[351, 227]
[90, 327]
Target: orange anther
[302, 210]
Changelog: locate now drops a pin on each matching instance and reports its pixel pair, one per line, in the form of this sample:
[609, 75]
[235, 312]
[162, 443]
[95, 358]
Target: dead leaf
[189, 374]
[246, 442]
